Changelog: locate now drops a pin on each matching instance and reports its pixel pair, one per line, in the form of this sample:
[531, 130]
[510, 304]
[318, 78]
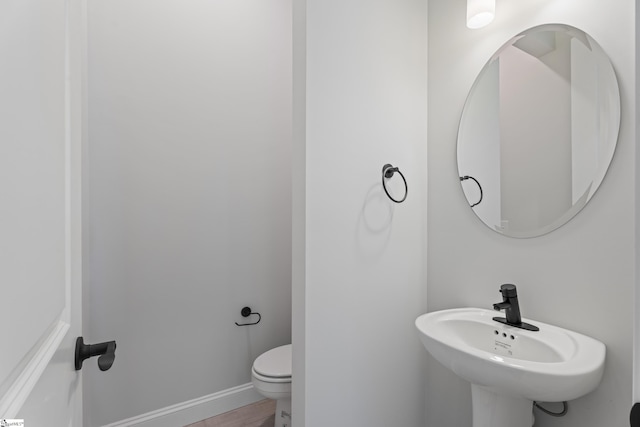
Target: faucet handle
[508, 290]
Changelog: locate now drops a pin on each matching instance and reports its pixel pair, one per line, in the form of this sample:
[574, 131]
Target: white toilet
[271, 376]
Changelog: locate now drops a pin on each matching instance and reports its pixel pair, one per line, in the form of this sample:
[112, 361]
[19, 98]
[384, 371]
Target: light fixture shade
[480, 12]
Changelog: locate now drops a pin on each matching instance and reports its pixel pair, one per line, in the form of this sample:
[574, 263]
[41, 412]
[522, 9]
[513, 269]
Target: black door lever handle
[106, 360]
[106, 351]
[635, 415]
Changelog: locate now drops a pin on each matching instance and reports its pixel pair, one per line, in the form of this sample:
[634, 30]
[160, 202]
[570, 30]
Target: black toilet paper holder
[246, 312]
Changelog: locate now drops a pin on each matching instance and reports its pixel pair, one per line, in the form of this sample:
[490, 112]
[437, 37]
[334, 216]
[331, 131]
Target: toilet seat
[266, 379]
[274, 365]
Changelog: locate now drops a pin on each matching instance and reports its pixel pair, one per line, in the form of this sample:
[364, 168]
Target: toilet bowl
[271, 377]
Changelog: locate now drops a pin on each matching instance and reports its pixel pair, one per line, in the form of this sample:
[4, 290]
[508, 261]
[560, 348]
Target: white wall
[361, 279]
[190, 195]
[298, 211]
[580, 276]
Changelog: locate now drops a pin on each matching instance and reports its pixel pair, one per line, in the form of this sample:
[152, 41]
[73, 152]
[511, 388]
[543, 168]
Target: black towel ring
[246, 312]
[387, 172]
[464, 178]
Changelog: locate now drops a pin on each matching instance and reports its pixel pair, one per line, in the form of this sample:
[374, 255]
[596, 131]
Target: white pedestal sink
[509, 367]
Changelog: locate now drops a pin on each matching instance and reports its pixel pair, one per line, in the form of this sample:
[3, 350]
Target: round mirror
[538, 130]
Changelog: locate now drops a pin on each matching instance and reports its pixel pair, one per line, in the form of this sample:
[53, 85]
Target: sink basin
[510, 367]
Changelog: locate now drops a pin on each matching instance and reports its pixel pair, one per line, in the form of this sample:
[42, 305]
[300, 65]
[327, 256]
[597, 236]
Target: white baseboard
[195, 410]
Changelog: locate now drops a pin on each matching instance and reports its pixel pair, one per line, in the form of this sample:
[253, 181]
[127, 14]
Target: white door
[40, 266]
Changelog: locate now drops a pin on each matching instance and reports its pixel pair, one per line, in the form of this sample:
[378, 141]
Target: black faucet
[511, 309]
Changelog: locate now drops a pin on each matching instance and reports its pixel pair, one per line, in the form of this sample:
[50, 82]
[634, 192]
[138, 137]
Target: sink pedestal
[491, 409]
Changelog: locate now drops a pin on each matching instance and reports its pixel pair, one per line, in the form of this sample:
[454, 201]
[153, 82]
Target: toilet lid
[274, 363]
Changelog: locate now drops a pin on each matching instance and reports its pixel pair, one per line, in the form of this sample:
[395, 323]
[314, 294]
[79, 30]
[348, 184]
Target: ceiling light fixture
[480, 13]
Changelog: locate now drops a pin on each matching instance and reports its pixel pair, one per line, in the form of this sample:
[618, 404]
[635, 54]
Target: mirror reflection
[538, 130]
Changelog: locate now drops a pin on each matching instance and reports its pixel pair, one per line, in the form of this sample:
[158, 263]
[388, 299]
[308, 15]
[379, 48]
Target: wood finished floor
[259, 414]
